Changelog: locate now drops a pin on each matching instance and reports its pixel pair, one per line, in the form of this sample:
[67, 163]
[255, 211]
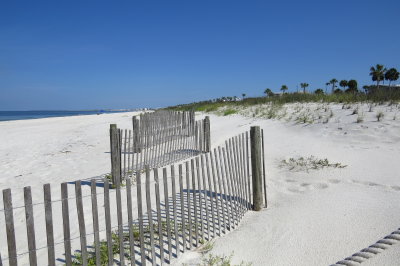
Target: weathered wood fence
[158, 139]
[171, 210]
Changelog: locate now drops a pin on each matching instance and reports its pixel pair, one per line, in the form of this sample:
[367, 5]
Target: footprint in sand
[397, 188]
[334, 181]
[320, 186]
[296, 190]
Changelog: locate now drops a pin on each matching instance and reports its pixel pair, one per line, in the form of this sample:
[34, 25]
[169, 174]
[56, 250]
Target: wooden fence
[158, 139]
[171, 210]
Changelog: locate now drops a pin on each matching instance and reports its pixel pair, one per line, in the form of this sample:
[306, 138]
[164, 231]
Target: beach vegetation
[352, 86]
[216, 260]
[308, 163]
[391, 75]
[77, 260]
[269, 92]
[343, 84]
[333, 83]
[230, 111]
[319, 91]
[304, 85]
[376, 93]
[380, 115]
[284, 88]
[377, 74]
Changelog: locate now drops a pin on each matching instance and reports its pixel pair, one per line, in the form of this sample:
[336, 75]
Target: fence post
[207, 134]
[135, 132]
[256, 166]
[115, 146]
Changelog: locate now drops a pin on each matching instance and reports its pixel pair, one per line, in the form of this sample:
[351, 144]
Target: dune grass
[346, 98]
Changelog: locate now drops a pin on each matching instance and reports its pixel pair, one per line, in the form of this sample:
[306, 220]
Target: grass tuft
[230, 111]
[305, 164]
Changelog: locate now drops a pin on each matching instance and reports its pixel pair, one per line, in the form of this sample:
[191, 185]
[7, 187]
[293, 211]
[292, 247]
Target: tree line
[378, 73]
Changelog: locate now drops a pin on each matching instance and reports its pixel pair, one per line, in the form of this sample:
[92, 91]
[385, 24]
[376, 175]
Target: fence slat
[221, 202]
[232, 180]
[182, 200]
[228, 185]
[263, 169]
[130, 220]
[244, 164]
[124, 138]
[10, 229]
[30, 225]
[248, 170]
[196, 227]
[200, 197]
[188, 202]
[150, 217]
[223, 178]
[212, 158]
[140, 216]
[240, 174]
[167, 213]
[237, 171]
[48, 213]
[159, 220]
[129, 154]
[110, 254]
[95, 218]
[66, 229]
[175, 216]
[120, 223]
[205, 195]
[212, 195]
[81, 221]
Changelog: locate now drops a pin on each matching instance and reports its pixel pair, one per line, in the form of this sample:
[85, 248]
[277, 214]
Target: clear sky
[126, 54]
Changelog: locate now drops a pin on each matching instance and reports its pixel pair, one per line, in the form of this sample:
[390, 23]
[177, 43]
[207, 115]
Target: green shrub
[230, 112]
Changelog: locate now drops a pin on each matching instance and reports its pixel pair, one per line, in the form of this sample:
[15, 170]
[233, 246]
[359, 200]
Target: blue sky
[127, 54]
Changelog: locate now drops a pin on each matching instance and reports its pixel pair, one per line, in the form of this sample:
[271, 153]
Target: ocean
[21, 115]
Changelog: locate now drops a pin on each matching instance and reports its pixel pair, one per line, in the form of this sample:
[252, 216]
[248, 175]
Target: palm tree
[343, 83]
[333, 82]
[284, 88]
[268, 92]
[353, 86]
[319, 91]
[326, 87]
[243, 95]
[377, 73]
[391, 75]
[304, 86]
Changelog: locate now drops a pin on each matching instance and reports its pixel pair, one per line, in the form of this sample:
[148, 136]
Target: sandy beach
[314, 216]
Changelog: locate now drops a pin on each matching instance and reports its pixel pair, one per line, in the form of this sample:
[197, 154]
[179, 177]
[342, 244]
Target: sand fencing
[155, 216]
[159, 138]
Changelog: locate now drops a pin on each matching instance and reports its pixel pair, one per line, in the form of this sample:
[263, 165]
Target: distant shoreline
[26, 115]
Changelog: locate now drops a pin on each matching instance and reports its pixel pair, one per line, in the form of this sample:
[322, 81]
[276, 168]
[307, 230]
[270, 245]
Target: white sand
[313, 218]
